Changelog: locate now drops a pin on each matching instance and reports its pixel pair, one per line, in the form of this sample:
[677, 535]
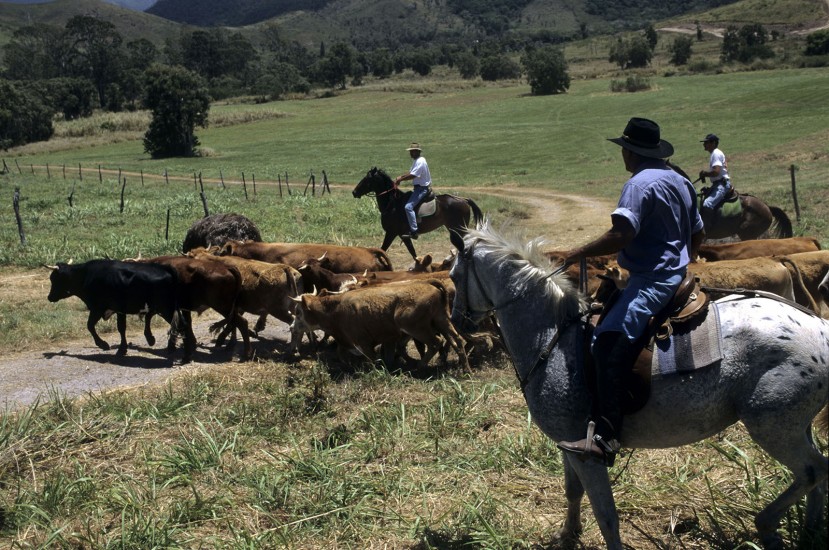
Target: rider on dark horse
[718, 173]
[421, 180]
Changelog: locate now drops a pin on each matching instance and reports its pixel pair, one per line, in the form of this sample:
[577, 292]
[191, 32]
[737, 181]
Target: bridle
[545, 352]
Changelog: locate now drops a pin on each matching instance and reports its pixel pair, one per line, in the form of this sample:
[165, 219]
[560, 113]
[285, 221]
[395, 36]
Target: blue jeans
[417, 193]
[645, 296]
[717, 195]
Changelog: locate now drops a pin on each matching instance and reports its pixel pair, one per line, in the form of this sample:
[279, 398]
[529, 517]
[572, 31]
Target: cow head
[62, 281]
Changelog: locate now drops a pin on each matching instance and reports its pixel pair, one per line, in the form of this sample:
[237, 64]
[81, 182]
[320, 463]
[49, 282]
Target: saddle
[688, 306]
[427, 205]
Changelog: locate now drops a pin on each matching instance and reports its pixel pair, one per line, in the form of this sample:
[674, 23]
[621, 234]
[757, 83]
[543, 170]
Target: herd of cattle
[353, 295]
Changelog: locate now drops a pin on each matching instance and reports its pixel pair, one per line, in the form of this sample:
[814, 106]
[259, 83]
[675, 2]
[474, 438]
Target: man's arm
[404, 177]
[613, 240]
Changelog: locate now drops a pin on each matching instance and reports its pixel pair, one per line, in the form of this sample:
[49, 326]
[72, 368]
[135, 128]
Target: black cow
[110, 286]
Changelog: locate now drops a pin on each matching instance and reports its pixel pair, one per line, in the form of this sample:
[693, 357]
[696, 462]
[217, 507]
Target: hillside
[131, 24]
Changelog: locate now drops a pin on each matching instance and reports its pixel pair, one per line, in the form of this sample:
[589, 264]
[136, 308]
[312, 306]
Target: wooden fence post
[19, 171]
[32, 166]
[325, 186]
[313, 183]
[123, 186]
[167, 227]
[204, 202]
[64, 171]
[222, 178]
[253, 176]
[244, 186]
[279, 179]
[101, 176]
[80, 172]
[16, 204]
[5, 167]
[288, 187]
[48, 173]
[793, 169]
[166, 178]
[142, 177]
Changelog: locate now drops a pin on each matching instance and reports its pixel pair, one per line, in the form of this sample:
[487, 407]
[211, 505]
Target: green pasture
[502, 136]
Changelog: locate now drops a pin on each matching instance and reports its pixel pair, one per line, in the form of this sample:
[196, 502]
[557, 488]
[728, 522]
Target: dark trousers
[613, 357]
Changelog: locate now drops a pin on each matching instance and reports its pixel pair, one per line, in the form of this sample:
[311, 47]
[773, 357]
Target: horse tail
[782, 224]
[477, 215]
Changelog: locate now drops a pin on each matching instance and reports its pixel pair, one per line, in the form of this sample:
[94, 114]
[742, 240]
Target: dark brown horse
[755, 219]
[452, 212]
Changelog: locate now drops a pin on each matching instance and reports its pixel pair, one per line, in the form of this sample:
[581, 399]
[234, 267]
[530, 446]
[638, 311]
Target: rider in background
[717, 172]
[656, 229]
[421, 180]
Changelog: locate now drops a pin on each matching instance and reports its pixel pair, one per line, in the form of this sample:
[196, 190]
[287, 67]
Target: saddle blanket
[427, 209]
[690, 348]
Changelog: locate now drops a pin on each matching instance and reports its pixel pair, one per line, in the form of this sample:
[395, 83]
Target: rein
[547, 350]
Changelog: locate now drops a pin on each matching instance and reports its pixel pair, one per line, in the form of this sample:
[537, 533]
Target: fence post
[32, 166]
[203, 201]
[80, 172]
[166, 178]
[142, 177]
[19, 171]
[123, 186]
[253, 176]
[313, 183]
[101, 176]
[5, 167]
[16, 204]
[48, 173]
[279, 179]
[792, 169]
[244, 186]
[64, 171]
[222, 178]
[325, 186]
[167, 227]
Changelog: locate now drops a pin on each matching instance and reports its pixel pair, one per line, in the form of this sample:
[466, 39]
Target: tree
[635, 52]
[338, 64]
[745, 44]
[34, 53]
[95, 52]
[651, 36]
[546, 70]
[468, 65]
[817, 43]
[499, 67]
[24, 118]
[681, 50]
[179, 102]
[381, 63]
[421, 62]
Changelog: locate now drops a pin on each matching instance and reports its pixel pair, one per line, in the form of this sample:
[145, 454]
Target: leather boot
[612, 354]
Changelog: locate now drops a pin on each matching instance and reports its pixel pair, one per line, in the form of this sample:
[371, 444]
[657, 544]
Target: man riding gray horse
[656, 229]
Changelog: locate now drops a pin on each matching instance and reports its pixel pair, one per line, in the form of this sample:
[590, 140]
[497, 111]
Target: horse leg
[594, 477]
[387, 240]
[794, 449]
[409, 246]
[574, 491]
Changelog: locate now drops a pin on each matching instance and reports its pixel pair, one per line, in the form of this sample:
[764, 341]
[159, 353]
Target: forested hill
[234, 13]
[487, 15]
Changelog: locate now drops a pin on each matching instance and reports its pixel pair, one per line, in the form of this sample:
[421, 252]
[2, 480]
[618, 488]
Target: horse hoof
[122, 351]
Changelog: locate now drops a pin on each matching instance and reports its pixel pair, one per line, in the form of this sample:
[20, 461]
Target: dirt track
[75, 368]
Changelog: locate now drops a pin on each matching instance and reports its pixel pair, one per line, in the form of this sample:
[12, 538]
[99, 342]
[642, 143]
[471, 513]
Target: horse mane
[534, 269]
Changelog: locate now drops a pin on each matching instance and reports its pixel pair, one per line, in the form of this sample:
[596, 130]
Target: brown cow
[267, 289]
[316, 276]
[814, 267]
[766, 274]
[383, 315]
[205, 284]
[339, 259]
[752, 249]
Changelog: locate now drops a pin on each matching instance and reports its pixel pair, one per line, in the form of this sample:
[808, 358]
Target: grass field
[309, 455]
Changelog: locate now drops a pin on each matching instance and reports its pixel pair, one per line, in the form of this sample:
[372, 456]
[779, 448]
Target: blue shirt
[662, 208]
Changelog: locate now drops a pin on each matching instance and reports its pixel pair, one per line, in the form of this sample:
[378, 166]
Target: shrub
[681, 50]
[817, 43]
[499, 67]
[633, 83]
[23, 117]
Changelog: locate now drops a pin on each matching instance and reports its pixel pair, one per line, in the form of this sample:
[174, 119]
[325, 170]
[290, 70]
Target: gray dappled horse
[773, 377]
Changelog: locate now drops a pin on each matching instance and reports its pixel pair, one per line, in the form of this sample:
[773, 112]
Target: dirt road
[75, 368]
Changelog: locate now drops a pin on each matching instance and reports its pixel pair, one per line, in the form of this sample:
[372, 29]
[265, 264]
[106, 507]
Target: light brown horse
[452, 212]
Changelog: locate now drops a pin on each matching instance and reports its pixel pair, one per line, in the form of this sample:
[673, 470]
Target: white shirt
[718, 159]
[420, 171]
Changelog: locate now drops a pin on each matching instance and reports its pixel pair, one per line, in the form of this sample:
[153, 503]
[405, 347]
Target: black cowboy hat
[642, 137]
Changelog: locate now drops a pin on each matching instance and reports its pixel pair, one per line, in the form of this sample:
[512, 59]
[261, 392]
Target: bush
[23, 117]
[633, 83]
[681, 50]
[817, 43]
[546, 70]
[499, 67]
[468, 65]
[632, 53]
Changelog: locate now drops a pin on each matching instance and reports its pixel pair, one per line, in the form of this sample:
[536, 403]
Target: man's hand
[702, 176]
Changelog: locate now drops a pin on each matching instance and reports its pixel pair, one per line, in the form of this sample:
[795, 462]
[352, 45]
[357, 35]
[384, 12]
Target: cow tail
[444, 294]
[799, 281]
[383, 260]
